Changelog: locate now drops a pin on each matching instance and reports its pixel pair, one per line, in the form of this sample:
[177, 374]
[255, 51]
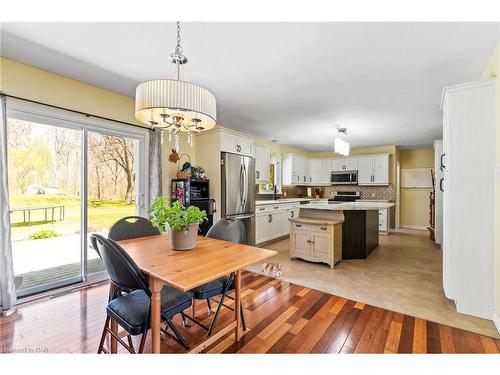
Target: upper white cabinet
[373, 169]
[262, 164]
[294, 169]
[235, 143]
[326, 170]
[381, 169]
[345, 164]
[315, 176]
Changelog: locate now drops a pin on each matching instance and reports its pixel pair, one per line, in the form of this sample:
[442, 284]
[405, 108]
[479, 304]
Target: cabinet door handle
[298, 178]
[442, 162]
[292, 214]
[323, 228]
[298, 225]
[310, 241]
[261, 208]
[441, 184]
[270, 220]
[276, 207]
[258, 174]
[310, 179]
[304, 178]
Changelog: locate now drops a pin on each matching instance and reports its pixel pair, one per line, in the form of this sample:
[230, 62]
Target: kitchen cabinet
[238, 144]
[326, 170]
[316, 240]
[261, 228]
[373, 169]
[295, 170]
[470, 191]
[271, 221]
[315, 176]
[383, 223]
[262, 164]
[349, 163]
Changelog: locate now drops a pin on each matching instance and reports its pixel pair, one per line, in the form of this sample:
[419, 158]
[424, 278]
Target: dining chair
[227, 229]
[132, 227]
[132, 310]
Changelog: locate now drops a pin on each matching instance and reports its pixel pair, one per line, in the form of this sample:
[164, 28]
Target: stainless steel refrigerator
[238, 191]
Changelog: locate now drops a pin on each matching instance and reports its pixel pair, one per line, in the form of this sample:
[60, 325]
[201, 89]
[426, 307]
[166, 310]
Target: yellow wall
[36, 84]
[493, 71]
[414, 202]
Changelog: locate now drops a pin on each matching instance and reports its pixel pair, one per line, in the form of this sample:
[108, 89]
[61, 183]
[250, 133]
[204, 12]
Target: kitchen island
[359, 225]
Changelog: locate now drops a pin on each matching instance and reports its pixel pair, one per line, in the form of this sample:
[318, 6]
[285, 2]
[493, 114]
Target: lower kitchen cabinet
[316, 240]
[271, 221]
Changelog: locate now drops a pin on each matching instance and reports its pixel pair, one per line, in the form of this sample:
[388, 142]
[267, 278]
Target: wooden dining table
[185, 270]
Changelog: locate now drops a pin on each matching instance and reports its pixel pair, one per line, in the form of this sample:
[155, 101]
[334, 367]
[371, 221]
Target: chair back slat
[122, 270]
[132, 227]
[227, 229]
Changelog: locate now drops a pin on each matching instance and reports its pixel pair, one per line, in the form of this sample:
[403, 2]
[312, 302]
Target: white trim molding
[413, 227]
[496, 320]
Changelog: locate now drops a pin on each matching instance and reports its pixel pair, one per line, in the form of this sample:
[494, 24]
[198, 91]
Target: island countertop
[348, 206]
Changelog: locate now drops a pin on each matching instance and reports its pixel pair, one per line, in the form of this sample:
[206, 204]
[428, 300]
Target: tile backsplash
[366, 192]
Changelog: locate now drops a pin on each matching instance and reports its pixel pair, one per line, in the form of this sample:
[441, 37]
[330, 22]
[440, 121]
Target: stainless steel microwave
[344, 178]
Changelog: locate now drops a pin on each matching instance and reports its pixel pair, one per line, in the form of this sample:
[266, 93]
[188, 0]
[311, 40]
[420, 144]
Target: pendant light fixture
[341, 146]
[173, 105]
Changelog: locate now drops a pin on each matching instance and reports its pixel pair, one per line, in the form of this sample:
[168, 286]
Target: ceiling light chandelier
[173, 105]
[341, 147]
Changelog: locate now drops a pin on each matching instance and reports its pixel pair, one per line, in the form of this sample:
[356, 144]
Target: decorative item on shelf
[173, 157]
[198, 173]
[185, 171]
[183, 222]
[341, 146]
[174, 105]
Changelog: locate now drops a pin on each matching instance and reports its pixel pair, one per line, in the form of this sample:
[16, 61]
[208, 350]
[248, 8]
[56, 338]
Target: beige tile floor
[403, 274]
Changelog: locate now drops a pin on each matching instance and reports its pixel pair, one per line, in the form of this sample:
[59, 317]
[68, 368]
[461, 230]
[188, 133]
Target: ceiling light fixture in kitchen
[341, 147]
[174, 105]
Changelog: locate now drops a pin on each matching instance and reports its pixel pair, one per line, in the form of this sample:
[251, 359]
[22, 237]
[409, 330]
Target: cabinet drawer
[327, 229]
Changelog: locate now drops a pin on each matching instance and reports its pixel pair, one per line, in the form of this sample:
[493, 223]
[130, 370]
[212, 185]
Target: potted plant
[183, 222]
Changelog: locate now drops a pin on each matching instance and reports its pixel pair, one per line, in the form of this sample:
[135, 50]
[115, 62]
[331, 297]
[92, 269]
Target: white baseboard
[414, 227]
[496, 320]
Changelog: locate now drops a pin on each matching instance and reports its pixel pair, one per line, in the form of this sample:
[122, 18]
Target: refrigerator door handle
[240, 217]
[245, 185]
[241, 184]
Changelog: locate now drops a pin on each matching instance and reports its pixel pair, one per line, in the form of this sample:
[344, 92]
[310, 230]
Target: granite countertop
[372, 205]
[288, 200]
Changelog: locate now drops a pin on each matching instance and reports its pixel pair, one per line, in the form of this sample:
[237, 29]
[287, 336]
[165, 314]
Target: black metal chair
[228, 230]
[132, 310]
[132, 227]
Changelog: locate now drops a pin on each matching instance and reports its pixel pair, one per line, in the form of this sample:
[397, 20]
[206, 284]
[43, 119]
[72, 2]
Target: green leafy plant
[176, 216]
[45, 233]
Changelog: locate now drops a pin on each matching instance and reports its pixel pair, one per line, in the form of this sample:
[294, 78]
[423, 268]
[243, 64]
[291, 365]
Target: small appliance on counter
[193, 192]
[345, 196]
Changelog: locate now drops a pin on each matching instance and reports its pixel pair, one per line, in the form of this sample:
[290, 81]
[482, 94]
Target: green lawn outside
[101, 214]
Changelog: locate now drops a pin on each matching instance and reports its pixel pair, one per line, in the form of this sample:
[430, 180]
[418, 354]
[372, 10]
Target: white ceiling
[292, 82]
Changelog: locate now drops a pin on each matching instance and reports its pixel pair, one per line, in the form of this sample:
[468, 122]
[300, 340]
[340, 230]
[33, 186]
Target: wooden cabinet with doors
[373, 169]
[315, 171]
[316, 240]
[238, 144]
[262, 164]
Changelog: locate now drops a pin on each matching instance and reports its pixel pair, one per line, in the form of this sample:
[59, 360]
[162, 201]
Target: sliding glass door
[66, 181]
[111, 181]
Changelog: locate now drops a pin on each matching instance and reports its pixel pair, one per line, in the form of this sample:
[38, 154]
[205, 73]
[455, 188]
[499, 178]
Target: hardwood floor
[282, 318]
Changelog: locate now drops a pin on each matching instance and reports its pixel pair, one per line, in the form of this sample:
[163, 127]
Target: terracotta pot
[181, 241]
